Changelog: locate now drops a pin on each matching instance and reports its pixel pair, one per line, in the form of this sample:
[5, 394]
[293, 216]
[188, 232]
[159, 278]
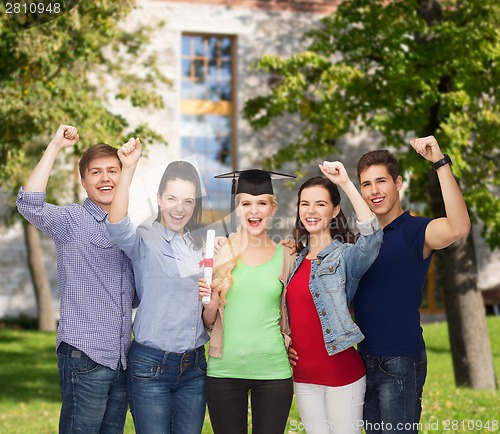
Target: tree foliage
[392, 68]
[72, 70]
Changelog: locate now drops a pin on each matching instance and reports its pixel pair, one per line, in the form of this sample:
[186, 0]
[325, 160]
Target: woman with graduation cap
[329, 374]
[248, 346]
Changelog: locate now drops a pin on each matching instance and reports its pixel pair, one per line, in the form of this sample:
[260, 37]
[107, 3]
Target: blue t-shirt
[387, 302]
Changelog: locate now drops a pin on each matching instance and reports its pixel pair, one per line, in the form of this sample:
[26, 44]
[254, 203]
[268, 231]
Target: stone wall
[17, 295]
[318, 6]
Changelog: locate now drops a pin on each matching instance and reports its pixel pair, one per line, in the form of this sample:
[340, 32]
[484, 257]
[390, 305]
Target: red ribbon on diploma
[206, 262]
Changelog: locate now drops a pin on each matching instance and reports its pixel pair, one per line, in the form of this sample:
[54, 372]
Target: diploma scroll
[209, 259]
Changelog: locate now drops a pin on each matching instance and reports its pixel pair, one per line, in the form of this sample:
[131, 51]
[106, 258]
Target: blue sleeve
[414, 235]
[124, 235]
[53, 220]
[360, 256]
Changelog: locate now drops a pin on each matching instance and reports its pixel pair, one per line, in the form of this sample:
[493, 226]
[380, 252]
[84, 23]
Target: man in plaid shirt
[96, 288]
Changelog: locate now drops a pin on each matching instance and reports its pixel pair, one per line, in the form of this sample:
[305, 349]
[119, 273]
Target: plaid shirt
[96, 281]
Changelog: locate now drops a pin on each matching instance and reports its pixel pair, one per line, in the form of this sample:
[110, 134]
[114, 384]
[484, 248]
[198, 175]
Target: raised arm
[335, 172]
[441, 232]
[129, 155]
[65, 137]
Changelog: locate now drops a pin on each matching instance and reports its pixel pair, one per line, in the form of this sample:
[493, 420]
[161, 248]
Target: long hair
[339, 228]
[227, 258]
[186, 172]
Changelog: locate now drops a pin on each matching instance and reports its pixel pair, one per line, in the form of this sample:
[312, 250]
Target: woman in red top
[329, 374]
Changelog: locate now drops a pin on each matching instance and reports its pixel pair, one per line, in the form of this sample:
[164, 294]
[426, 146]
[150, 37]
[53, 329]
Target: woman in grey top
[166, 362]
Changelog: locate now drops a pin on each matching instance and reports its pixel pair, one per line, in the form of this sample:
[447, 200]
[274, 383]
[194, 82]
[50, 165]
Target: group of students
[278, 318]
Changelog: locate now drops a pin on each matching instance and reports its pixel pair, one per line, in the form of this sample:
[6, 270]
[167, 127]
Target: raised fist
[428, 148]
[130, 152]
[335, 172]
[66, 136]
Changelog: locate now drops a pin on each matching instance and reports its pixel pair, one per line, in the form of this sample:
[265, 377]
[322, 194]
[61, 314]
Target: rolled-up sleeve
[369, 227]
[53, 220]
[360, 256]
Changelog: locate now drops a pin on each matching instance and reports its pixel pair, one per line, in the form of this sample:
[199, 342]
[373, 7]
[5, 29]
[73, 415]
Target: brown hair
[339, 229]
[98, 150]
[185, 171]
[381, 157]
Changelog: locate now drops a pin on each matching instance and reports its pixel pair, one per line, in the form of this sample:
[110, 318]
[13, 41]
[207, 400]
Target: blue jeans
[94, 397]
[393, 400]
[166, 390]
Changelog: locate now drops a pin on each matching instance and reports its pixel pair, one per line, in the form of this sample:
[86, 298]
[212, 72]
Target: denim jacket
[335, 275]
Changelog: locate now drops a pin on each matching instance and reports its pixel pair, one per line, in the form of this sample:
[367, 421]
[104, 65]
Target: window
[207, 109]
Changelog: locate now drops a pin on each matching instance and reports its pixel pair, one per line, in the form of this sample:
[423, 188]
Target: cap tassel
[233, 194]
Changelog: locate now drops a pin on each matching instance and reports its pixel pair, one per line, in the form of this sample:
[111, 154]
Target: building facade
[207, 49]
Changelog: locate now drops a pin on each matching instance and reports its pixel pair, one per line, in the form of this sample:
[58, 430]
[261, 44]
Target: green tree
[407, 68]
[69, 70]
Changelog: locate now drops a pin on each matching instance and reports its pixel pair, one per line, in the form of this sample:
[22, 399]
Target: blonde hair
[227, 258]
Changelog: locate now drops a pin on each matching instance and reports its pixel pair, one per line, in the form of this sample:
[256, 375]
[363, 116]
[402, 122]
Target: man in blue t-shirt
[389, 295]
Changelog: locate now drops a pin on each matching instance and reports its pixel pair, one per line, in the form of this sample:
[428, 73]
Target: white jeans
[331, 410]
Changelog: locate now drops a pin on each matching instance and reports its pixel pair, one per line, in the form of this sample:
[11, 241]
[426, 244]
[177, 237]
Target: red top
[315, 365]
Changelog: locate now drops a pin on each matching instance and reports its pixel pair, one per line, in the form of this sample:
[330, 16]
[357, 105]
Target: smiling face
[381, 192]
[255, 212]
[177, 204]
[100, 179]
[316, 210]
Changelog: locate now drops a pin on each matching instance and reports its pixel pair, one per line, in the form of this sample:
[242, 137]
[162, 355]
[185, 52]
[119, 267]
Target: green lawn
[29, 387]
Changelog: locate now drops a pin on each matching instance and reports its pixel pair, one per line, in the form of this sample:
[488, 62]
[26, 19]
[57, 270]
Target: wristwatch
[445, 160]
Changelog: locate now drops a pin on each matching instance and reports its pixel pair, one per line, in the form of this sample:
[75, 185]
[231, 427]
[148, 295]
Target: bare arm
[209, 310]
[66, 136]
[335, 172]
[442, 232]
[129, 155]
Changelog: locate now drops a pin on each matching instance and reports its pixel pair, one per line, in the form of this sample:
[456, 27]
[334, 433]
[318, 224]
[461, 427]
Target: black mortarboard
[252, 181]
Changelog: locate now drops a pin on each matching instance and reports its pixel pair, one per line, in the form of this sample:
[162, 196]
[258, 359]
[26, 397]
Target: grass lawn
[29, 387]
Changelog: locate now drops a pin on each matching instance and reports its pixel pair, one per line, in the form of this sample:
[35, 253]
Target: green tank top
[253, 345]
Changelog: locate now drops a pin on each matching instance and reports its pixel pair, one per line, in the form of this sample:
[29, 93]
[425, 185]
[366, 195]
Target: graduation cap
[253, 181]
